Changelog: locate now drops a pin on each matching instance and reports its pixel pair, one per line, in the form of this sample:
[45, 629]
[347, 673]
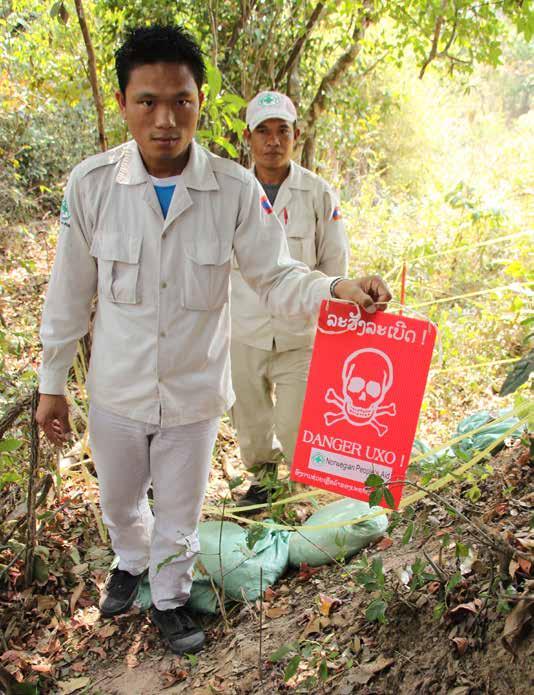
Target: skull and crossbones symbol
[367, 377]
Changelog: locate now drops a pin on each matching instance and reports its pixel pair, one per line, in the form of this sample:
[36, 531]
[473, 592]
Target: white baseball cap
[270, 105]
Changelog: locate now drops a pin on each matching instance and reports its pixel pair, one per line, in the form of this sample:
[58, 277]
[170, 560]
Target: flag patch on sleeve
[336, 214]
[266, 205]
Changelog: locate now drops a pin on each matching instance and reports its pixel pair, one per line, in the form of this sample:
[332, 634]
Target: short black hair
[158, 44]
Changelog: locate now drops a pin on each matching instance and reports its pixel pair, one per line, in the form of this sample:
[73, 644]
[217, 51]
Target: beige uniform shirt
[308, 210]
[160, 349]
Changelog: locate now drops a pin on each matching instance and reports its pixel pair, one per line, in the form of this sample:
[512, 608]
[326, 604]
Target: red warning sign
[365, 388]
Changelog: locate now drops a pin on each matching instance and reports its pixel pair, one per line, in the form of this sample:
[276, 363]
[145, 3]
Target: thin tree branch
[247, 8]
[434, 49]
[13, 413]
[299, 43]
[93, 77]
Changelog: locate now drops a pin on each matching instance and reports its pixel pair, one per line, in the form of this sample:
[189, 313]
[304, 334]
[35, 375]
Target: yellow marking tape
[511, 286]
[415, 497]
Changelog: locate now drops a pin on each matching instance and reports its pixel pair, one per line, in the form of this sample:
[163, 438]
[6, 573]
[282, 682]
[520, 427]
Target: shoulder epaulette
[229, 167]
[101, 159]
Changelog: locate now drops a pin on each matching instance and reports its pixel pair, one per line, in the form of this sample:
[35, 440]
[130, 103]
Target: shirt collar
[198, 173]
[295, 178]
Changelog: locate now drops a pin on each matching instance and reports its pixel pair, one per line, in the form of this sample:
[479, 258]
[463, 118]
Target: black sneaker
[178, 630]
[119, 592]
[256, 494]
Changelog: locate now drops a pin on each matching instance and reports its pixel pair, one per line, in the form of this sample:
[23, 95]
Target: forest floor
[458, 591]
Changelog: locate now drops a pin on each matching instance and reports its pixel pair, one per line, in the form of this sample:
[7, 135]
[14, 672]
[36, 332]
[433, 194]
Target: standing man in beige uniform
[149, 228]
[271, 355]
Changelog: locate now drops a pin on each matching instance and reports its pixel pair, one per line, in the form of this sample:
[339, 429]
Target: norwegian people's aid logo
[64, 215]
[269, 99]
[318, 458]
[266, 205]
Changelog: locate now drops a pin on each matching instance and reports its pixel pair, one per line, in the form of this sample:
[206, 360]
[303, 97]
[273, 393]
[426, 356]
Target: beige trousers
[270, 387]
[128, 456]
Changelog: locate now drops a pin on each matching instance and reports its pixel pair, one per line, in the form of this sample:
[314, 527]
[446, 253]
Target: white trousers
[128, 456]
[270, 387]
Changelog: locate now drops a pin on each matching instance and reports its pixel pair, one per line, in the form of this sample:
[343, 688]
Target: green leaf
[323, 671]
[461, 550]
[235, 482]
[454, 581]
[280, 653]
[214, 78]
[235, 100]
[10, 445]
[407, 536]
[169, 559]
[389, 498]
[255, 533]
[375, 497]
[292, 667]
[376, 611]
[518, 375]
[374, 480]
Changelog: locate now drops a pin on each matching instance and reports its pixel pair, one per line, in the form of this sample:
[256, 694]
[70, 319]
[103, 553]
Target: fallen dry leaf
[131, 661]
[277, 612]
[515, 622]
[269, 595]
[327, 604]
[42, 668]
[305, 572]
[472, 607]
[384, 544]
[313, 627]
[513, 567]
[107, 631]
[73, 684]
[461, 644]
[433, 587]
[525, 565]
[75, 596]
[170, 678]
[365, 672]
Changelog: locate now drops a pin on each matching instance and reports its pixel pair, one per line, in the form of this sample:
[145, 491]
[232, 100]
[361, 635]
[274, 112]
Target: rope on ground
[212, 509]
[442, 482]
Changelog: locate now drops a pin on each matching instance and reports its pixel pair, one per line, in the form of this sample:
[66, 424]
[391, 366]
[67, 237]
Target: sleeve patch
[64, 215]
[336, 214]
[266, 205]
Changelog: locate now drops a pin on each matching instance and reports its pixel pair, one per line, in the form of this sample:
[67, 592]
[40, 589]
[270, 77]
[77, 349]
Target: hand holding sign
[365, 388]
[370, 292]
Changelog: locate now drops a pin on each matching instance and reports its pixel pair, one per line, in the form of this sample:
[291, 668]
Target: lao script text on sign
[366, 384]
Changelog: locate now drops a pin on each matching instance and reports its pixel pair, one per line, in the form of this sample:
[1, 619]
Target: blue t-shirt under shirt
[165, 190]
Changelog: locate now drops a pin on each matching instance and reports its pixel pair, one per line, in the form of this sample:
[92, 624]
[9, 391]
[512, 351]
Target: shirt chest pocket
[118, 256]
[206, 277]
[301, 240]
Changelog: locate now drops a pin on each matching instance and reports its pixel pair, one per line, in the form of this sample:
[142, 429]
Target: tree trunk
[329, 82]
[93, 78]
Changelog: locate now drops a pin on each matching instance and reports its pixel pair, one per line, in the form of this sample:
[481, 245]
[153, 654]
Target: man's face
[272, 142]
[161, 105]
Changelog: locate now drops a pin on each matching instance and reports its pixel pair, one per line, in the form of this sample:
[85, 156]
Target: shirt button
[164, 235]
[163, 334]
[163, 285]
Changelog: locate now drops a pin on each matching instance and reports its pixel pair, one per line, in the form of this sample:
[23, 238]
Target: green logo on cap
[269, 99]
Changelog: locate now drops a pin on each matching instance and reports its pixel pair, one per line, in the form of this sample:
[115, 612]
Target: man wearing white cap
[271, 356]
